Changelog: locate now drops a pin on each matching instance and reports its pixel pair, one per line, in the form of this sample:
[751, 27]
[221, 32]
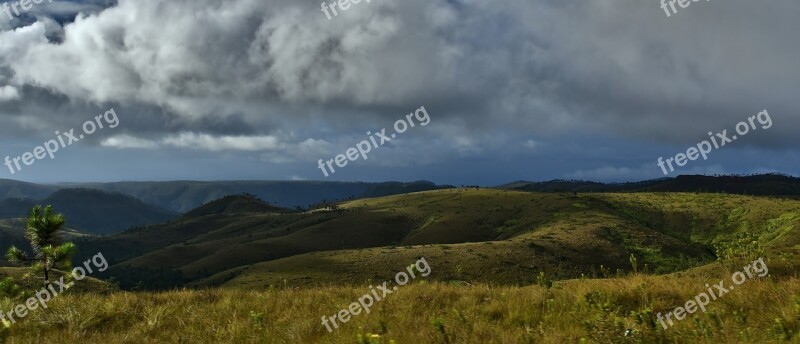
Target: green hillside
[499, 236]
[564, 236]
[238, 204]
[772, 184]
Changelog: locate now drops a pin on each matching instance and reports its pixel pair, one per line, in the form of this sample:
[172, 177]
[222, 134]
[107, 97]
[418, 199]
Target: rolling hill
[487, 235]
[763, 184]
[507, 266]
[237, 204]
[493, 254]
[562, 235]
[107, 208]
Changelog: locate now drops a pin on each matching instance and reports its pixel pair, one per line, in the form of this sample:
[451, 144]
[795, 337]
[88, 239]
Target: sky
[510, 90]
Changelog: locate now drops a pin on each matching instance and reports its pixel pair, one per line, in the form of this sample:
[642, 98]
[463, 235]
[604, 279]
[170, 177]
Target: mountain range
[495, 235]
[108, 208]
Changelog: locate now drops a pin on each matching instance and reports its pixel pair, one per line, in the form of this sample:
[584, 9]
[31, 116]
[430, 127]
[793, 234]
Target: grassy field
[507, 267]
[616, 310]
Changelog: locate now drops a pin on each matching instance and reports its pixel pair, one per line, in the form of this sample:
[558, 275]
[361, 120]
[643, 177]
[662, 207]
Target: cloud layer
[278, 81]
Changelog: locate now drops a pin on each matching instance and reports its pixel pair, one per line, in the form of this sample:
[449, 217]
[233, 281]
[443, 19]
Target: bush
[10, 289]
[543, 280]
[5, 329]
[742, 249]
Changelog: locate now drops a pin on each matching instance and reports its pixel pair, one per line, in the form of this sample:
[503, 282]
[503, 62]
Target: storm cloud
[278, 83]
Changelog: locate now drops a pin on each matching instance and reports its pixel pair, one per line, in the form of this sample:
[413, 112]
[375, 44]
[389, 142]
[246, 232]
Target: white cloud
[273, 148]
[197, 141]
[151, 52]
[16, 43]
[8, 93]
[218, 143]
[127, 141]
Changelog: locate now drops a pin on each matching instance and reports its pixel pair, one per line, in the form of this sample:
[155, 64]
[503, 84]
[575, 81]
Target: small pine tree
[43, 229]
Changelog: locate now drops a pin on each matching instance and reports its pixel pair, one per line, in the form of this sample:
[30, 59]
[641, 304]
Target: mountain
[105, 208]
[182, 196]
[16, 189]
[764, 184]
[490, 235]
[92, 211]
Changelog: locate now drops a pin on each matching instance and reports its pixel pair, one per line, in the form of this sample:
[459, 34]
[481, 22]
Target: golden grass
[617, 310]
[572, 311]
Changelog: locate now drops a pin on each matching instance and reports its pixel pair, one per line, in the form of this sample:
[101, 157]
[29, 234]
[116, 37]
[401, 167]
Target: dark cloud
[500, 80]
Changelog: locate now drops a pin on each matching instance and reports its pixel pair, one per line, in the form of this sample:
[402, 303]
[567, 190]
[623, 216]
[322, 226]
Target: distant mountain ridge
[762, 184]
[93, 211]
[107, 208]
[17, 189]
[183, 196]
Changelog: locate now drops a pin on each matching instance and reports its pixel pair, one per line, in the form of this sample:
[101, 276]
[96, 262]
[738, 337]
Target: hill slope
[765, 184]
[486, 235]
[12, 233]
[231, 205]
[563, 236]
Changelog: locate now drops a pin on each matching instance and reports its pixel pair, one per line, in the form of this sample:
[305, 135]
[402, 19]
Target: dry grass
[600, 311]
[616, 310]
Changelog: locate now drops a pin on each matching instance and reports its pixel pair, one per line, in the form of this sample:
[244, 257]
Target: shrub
[5, 329]
[9, 289]
[742, 249]
[543, 280]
